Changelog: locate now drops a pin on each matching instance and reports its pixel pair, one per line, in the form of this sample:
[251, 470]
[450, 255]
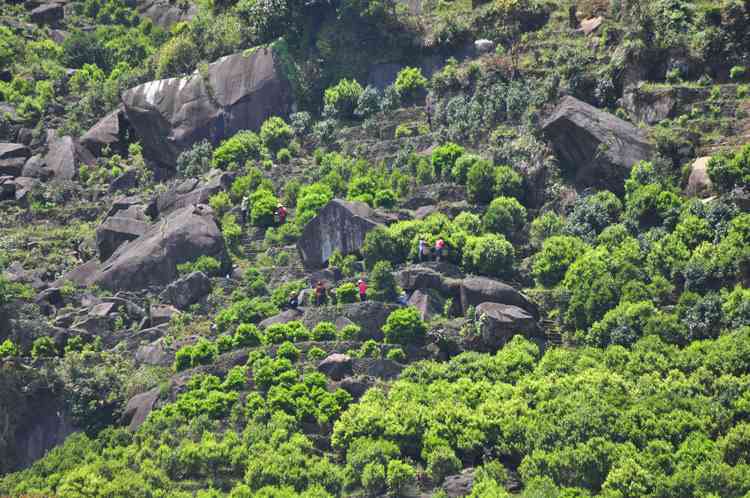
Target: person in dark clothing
[320, 294]
[281, 213]
[293, 301]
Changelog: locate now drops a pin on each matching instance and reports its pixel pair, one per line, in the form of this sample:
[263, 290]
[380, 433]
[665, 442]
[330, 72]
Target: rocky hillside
[316, 249]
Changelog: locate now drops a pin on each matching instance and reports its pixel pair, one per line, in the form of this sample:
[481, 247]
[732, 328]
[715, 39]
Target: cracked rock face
[238, 92]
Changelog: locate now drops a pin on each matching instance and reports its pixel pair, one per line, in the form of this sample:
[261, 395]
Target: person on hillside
[281, 213]
[362, 286]
[439, 248]
[293, 300]
[422, 250]
[320, 294]
[243, 209]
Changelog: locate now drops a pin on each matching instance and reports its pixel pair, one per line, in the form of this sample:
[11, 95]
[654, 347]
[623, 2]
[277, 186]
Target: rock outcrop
[166, 14]
[699, 184]
[239, 92]
[598, 146]
[110, 132]
[138, 408]
[336, 366]
[48, 14]
[12, 159]
[117, 230]
[152, 259]
[500, 322]
[339, 226]
[64, 156]
[478, 290]
[191, 191]
[187, 290]
[429, 304]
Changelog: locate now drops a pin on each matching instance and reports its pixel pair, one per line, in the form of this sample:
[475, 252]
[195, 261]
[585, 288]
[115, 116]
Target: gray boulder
[459, 485]
[110, 132]
[139, 407]
[48, 13]
[117, 230]
[35, 167]
[161, 314]
[336, 366]
[598, 146]
[64, 156]
[12, 158]
[285, 316]
[478, 290]
[187, 290]
[429, 303]
[699, 184]
[241, 92]
[484, 46]
[164, 13]
[339, 226]
[192, 191]
[442, 277]
[370, 316]
[152, 259]
[500, 322]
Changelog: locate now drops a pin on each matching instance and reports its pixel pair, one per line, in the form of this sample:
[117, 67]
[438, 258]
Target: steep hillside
[285, 248]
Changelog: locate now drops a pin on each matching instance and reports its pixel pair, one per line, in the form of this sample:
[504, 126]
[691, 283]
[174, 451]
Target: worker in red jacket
[362, 285]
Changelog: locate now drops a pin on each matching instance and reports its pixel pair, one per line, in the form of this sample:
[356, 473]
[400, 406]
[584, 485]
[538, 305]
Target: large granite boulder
[500, 322]
[339, 226]
[47, 14]
[191, 191]
[459, 485]
[598, 146]
[110, 132]
[166, 14]
[152, 259]
[187, 290]
[699, 184]
[478, 290]
[442, 277]
[139, 407]
[64, 156]
[336, 366]
[370, 316]
[429, 303]
[241, 92]
[12, 158]
[115, 231]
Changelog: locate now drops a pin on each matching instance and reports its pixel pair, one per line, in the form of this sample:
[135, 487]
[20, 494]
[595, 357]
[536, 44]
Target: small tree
[404, 326]
[506, 216]
[410, 84]
[275, 133]
[383, 286]
[343, 97]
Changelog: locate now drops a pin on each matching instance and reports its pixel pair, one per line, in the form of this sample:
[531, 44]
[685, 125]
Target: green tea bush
[506, 216]
[311, 199]
[382, 282]
[343, 97]
[196, 160]
[263, 205]
[410, 84]
[727, 171]
[288, 351]
[324, 331]
[385, 198]
[246, 336]
[553, 260]
[623, 325]
[592, 214]
[284, 156]
[248, 310]
[220, 203]
[206, 264]
[508, 182]
[545, 226]
[469, 222]
[460, 171]
[480, 182]
[347, 293]
[396, 354]
[404, 326]
[8, 349]
[490, 255]
[399, 476]
[444, 159]
[276, 134]
[350, 332]
[233, 152]
[203, 352]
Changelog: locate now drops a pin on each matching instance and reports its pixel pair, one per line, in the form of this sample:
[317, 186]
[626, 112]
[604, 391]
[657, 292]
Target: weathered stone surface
[64, 156]
[12, 158]
[699, 184]
[283, 317]
[442, 277]
[478, 290]
[187, 290]
[128, 180]
[370, 316]
[459, 485]
[7, 188]
[378, 368]
[35, 167]
[115, 231]
[171, 115]
[164, 13]
[110, 132]
[138, 408]
[588, 26]
[192, 191]
[152, 259]
[356, 386]
[500, 322]
[339, 226]
[428, 195]
[156, 353]
[48, 13]
[600, 147]
[429, 304]
[336, 366]
[162, 314]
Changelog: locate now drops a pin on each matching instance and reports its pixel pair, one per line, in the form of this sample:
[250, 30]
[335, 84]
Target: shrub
[738, 73]
[396, 354]
[404, 326]
[490, 255]
[383, 283]
[480, 182]
[243, 146]
[622, 325]
[284, 156]
[347, 293]
[195, 161]
[203, 352]
[736, 307]
[8, 349]
[312, 198]
[246, 336]
[206, 264]
[246, 184]
[441, 462]
[410, 84]
[591, 214]
[505, 216]
[231, 231]
[400, 475]
[461, 167]
[373, 478]
[444, 159]
[469, 222]
[263, 205]
[220, 203]
[368, 102]
[343, 97]
[554, 259]
[350, 332]
[275, 133]
[508, 183]
[545, 226]
[316, 354]
[289, 351]
[176, 57]
[248, 310]
[300, 123]
[728, 171]
[324, 331]
[385, 199]
[650, 206]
